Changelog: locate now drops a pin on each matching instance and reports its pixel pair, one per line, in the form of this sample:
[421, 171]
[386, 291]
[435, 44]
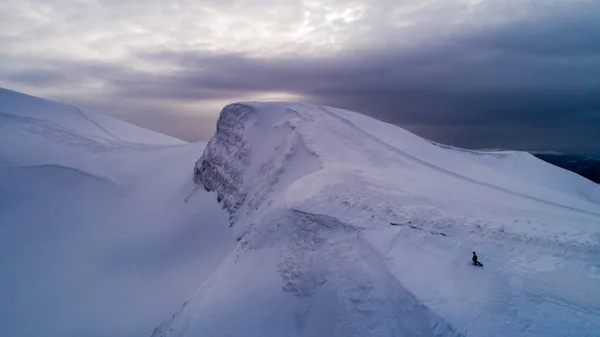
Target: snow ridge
[72, 118]
[316, 262]
[312, 192]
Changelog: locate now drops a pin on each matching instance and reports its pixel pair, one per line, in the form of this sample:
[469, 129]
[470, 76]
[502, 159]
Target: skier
[475, 262]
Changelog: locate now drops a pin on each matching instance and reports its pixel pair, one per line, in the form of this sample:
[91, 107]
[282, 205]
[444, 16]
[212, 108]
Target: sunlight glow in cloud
[438, 65]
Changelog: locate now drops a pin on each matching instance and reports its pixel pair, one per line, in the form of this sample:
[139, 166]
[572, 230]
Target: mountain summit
[348, 226]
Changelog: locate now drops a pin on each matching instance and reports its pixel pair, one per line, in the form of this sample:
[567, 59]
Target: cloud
[39, 77]
[474, 74]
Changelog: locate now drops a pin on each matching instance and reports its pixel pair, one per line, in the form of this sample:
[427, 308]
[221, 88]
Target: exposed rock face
[242, 176]
[227, 155]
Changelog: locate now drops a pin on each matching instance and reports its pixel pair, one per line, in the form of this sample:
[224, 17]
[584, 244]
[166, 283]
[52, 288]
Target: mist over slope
[96, 236]
[347, 226]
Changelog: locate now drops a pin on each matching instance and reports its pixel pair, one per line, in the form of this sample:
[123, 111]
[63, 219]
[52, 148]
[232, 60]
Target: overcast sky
[520, 74]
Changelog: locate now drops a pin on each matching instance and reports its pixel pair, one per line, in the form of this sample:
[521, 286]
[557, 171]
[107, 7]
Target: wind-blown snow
[102, 230]
[348, 226]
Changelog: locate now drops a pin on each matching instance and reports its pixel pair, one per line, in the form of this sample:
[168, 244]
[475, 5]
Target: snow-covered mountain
[330, 223]
[96, 236]
[347, 226]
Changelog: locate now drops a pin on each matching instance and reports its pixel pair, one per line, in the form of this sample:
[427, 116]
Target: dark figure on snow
[475, 262]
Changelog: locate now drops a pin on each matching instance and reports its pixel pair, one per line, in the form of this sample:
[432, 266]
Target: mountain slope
[25, 108]
[330, 223]
[348, 226]
[98, 233]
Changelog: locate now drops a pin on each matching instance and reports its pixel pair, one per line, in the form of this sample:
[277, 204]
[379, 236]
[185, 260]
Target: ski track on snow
[80, 113]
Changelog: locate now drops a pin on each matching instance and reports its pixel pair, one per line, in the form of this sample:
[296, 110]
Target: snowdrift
[102, 230]
[347, 226]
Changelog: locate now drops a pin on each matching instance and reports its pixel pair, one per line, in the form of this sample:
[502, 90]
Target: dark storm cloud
[569, 31]
[480, 88]
[536, 73]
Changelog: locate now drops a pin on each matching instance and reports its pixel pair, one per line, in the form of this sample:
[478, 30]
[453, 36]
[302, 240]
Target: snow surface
[330, 223]
[102, 229]
[348, 226]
